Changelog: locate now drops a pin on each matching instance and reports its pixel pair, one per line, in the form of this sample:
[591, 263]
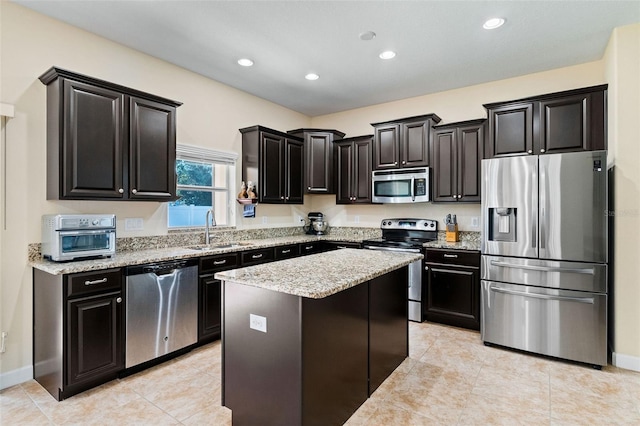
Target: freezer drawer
[560, 323]
[546, 273]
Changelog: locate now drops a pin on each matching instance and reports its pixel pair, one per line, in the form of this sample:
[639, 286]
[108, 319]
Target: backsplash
[218, 236]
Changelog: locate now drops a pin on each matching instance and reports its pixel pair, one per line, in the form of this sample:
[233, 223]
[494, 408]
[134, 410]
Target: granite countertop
[460, 245]
[140, 257]
[320, 275]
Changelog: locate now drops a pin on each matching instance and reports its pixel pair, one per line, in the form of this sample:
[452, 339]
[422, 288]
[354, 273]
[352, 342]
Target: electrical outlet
[356, 219]
[474, 222]
[264, 219]
[133, 224]
[3, 348]
[300, 219]
[256, 322]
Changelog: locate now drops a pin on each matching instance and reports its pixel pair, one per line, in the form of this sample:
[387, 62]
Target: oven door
[85, 243]
[400, 186]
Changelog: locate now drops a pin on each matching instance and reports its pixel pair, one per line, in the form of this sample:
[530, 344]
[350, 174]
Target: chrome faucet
[208, 222]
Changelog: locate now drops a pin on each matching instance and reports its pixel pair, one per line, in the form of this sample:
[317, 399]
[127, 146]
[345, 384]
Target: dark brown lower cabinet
[209, 294]
[453, 287]
[78, 330]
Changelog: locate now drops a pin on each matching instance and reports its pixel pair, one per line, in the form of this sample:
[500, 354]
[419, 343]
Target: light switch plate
[257, 322]
[474, 222]
[133, 224]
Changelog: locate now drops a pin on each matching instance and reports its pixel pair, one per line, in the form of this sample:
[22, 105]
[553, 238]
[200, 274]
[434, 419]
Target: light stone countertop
[460, 245]
[140, 257]
[320, 275]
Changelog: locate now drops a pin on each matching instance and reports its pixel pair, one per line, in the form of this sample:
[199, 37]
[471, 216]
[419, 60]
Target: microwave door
[510, 206]
[573, 201]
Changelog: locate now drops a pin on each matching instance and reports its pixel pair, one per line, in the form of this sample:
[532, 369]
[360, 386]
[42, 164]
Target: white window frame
[211, 156]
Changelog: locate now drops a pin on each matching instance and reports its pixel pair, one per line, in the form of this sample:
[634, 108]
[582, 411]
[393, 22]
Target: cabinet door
[386, 147]
[470, 141]
[453, 296]
[92, 143]
[152, 150]
[319, 163]
[344, 175]
[271, 168]
[510, 130]
[568, 124]
[362, 171]
[414, 149]
[293, 177]
[94, 337]
[444, 166]
[210, 314]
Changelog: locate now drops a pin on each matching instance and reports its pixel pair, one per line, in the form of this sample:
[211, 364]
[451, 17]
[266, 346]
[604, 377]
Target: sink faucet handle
[213, 217]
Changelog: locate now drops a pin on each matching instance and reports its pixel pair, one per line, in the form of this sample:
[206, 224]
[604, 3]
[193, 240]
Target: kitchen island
[305, 341]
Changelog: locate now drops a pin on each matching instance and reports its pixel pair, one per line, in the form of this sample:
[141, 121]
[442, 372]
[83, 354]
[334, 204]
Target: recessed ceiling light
[388, 54]
[367, 35]
[312, 76]
[493, 23]
[245, 62]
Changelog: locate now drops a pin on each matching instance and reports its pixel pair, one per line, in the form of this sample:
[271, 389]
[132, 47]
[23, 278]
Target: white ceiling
[441, 45]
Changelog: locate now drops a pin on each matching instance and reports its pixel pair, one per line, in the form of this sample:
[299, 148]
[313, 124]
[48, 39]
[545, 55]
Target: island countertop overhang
[320, 275]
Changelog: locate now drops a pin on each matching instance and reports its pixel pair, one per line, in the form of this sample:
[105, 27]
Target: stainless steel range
[407, 235]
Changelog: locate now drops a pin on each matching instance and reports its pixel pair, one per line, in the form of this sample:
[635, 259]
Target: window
[205, 180]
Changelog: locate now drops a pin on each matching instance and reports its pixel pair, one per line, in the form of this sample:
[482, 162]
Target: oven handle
[85, 232]
[413, 189]
[588, 300]
[392, 249]
[544, 268]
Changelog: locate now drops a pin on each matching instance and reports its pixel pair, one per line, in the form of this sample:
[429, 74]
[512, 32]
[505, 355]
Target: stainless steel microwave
[78, 236]
[400, 185]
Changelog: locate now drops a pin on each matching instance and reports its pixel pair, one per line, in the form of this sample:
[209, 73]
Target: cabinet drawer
[285, 252]
[93, 282]
[455, 257]
[254, 257]
[310, 248]
[218, 263]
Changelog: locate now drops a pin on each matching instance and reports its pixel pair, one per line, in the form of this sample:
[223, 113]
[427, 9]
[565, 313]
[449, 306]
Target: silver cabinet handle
[308, 248]
[119, 300]
[542, 150]
[530, 151]
[286, 251]
[121, 191]
[588, 300]
[282, 197]
[220, 262]
[341, 247]
[426, 268]
[135, 191]
[256, 256]
[454, 256]
[309, 188]
[100, 281]
[404, 162]
[395, 163]
[544, 268]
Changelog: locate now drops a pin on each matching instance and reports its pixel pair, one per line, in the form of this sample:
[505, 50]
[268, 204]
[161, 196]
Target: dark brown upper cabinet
[353, 170]
[573, 120]
[319, 159]
[403, 142]
[457, 151]
[273, 161]
[108, 142]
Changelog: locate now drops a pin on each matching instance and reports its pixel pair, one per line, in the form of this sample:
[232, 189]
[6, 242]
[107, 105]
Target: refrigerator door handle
[588, 300]
[588, 271]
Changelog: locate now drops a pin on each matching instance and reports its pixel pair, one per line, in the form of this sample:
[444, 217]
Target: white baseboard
[15, 377]
[627, 362]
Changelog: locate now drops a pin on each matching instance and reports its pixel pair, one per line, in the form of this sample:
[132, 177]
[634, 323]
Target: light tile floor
[450, 378]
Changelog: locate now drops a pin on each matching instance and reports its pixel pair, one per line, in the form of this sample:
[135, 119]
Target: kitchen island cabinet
[305, 341]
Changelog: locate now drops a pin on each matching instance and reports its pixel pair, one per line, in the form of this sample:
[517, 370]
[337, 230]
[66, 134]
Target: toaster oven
[82, 236]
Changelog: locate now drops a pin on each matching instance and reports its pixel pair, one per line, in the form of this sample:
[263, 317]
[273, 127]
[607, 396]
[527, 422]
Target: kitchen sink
[205, 247]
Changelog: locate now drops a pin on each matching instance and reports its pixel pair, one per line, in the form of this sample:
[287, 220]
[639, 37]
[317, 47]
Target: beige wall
[622, 61]
[211, 116]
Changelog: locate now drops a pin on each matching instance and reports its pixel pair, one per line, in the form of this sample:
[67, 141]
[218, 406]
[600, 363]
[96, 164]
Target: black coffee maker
[316, 218]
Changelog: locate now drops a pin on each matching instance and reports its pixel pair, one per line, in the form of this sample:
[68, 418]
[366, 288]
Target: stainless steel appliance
[400, 185]
[78, 236]
[408, 235]
[316, 224]
[161, 309]
[544, 263]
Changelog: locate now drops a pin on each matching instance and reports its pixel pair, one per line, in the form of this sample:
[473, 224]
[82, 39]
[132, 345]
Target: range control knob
[95, 222]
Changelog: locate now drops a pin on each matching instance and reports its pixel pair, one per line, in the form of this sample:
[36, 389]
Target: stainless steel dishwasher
[161, 309]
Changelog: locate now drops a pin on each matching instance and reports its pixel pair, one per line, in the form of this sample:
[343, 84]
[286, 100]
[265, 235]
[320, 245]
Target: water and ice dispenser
[502, 224]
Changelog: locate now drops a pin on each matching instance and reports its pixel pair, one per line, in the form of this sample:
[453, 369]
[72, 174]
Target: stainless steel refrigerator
[544, 254]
